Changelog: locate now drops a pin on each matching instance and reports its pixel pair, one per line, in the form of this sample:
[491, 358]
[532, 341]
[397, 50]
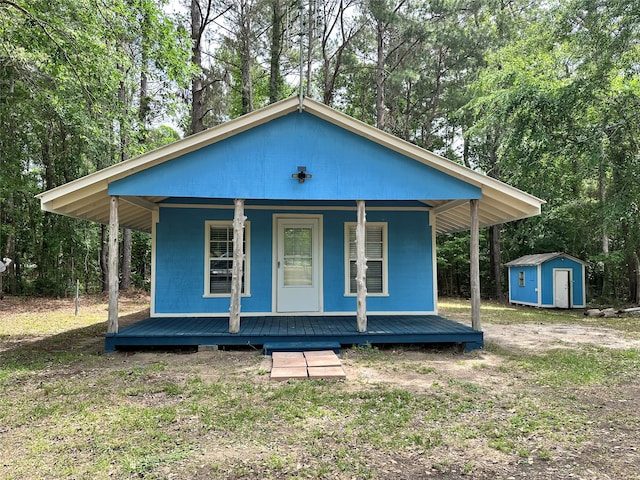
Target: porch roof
[88, 198]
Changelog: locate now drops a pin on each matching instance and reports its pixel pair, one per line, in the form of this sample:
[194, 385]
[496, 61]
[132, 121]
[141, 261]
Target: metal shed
[553, 280]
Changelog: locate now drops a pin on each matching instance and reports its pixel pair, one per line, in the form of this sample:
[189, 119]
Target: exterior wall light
[302, 174]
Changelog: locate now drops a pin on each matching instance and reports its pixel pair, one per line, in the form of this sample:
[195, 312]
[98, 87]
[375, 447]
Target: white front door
[561, 290]
[298, 264]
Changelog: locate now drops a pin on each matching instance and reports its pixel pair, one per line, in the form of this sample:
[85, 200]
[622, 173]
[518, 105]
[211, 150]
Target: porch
[260, 330]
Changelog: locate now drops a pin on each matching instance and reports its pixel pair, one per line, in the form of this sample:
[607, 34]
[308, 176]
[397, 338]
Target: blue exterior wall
[577, 286]
[527, 294]
[258, 163]
[180, 249]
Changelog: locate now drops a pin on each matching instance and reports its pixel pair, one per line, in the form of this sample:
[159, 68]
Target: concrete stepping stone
[288, 359]
[327, 373]
[319, 353]
[323, 361]
[285, 373]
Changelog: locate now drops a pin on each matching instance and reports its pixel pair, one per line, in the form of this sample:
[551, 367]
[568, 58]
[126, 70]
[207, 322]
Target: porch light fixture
[302, 174]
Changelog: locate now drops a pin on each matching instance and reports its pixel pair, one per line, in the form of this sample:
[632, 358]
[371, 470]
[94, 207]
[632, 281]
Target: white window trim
[385, 259]
[521, 279]
[207, 259]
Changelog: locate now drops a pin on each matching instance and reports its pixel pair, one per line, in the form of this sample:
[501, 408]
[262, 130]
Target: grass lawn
[554, 410]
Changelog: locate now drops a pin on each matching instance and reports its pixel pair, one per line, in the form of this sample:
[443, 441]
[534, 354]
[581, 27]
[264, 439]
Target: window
[219, 259]
[376, 253]
[521, 278]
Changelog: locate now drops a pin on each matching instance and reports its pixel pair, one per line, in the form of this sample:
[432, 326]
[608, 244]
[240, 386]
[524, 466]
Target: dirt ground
[483, 367]
[611, 449]
[543, 337]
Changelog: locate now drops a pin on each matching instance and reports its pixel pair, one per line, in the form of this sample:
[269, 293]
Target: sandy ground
[542, 337]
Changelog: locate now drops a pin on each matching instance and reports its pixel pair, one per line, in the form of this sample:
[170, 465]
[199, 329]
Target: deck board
[257, 330]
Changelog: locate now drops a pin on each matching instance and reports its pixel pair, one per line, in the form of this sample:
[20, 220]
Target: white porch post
[474, 251]
[238, 260]
[361, 268]
[114, 225]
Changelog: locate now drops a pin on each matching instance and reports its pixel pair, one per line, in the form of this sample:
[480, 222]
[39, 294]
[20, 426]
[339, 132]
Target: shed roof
[539, 258]
[88, 198]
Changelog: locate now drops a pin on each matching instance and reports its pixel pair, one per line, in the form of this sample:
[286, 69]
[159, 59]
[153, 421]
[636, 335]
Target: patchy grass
[506, 314]
[588, 366]
[68, 411]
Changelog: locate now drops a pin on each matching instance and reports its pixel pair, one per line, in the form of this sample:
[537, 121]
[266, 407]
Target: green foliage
[552, 113]
[542, 95]
[62, 64]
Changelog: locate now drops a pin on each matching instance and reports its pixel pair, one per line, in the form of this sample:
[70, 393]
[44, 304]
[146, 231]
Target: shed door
[298, 265]
[561, 288]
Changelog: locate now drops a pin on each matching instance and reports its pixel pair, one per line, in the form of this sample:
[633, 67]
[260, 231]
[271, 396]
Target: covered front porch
[291, 223]
[259, 331]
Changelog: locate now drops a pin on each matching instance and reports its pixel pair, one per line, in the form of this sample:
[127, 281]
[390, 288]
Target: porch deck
[258, 330]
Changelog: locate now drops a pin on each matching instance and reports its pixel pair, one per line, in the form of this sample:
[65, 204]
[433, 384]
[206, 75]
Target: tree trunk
[143, 111]
[380, 76]
[125, 283]
[336, 35]
[465, 150]
[245, 60]
[636, 290]
[434, 103]
[197, 89]
[10, 249]
[309, 47]
[495, 249]
[145, 100]
[124, 155]
[275, 78]
[104, 270]
[602, 193]
[496, 262]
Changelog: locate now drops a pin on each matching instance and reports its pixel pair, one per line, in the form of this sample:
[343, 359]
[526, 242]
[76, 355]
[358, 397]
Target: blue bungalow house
[554, 280]
[292, 223]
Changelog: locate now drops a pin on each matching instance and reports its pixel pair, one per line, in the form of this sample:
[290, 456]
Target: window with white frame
[521, 278]
[376, 254]
[219, 258]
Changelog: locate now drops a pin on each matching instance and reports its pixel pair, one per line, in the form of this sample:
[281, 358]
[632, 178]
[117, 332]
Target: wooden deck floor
[256, 331]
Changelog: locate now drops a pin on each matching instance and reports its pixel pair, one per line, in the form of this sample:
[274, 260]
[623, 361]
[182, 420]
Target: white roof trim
[87, 197]
[535, 259]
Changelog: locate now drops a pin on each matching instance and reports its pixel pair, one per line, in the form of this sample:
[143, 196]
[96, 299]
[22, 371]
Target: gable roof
[258, 164]
[88, 198]
[538, 259]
